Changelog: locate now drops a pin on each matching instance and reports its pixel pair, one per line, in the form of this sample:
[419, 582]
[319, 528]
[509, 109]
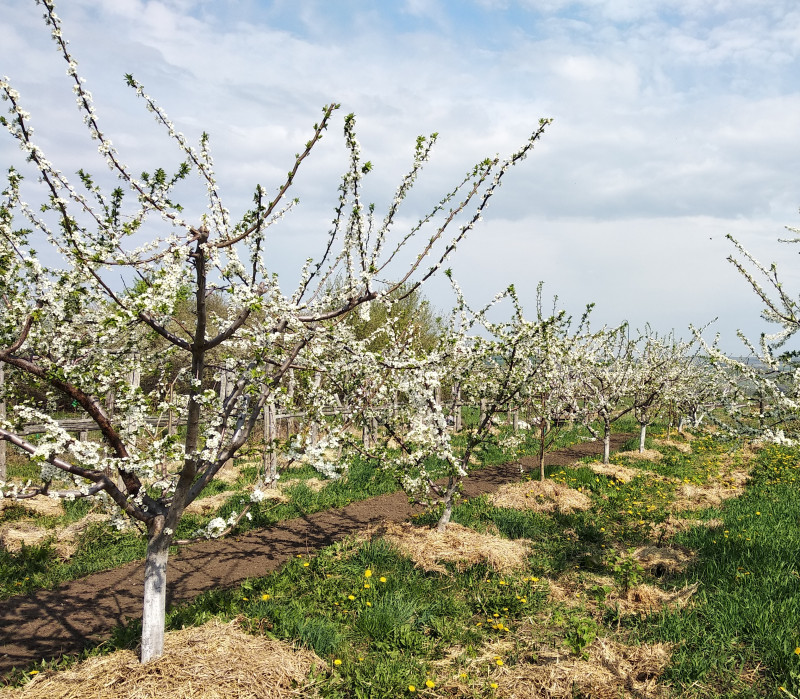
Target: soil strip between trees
[83, 612]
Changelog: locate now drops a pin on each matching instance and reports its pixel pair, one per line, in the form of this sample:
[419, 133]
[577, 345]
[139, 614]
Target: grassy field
[99, 547]
[678, 579]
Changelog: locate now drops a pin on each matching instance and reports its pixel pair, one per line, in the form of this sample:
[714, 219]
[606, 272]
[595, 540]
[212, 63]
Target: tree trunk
[642, 433]
[542, 436]
[449, 501]
[270, 461]
[606, 442]
[2, 417]
[155, 597]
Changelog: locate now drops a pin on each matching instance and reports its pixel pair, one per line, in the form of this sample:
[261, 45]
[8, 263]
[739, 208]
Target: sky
[675, 123]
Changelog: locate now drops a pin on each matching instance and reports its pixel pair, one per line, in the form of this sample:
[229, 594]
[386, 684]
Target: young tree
[608, 378]
[70, 326]
[663, 373]
[495, 364]
[555, 389]
[763, 394]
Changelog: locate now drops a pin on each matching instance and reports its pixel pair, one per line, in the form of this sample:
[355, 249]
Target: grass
[391, 626]
[101, 548]
[743, 634]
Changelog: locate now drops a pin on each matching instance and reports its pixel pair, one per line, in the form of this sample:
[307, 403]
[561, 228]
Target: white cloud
[675, 121]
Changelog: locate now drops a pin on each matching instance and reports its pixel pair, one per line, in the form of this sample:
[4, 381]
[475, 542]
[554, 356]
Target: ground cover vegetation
[182, 373]
[639, 591]
[224, 347]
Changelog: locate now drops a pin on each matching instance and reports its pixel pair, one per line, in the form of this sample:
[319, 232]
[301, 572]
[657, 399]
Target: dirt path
[51, 623]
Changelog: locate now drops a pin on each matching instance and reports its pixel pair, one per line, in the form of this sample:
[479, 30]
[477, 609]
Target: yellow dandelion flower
[305, 565]
[265, 597]
[367, 573]
[366, 586]
[430, 684]
[493, 685]
[498, 661]
[412, 688]
[382, 579]
[351, 597]
[337, 662]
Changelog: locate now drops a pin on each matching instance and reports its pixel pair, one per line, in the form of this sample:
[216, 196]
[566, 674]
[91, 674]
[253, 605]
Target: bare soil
[81, 613]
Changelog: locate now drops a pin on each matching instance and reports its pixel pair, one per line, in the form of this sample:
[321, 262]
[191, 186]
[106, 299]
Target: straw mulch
[648, 599]
[14, 534]
[612, 670]
[641, 600]
[623, 474]
[463, 547]
[231, 472]
[662, 559]
[209, 505]
[680, 446]
[690, 496]
[40, 505]
[673, 525]
[646, 455]
[213, 661]
[313, 484]
[540, 496]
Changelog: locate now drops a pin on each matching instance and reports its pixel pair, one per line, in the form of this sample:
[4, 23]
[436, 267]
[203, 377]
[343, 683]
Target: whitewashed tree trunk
[270, 463]
[155, 597]
[482, 414]
[642, 435]
[314, 426]
[3, 472]
[449, 502]
[457, 410]
[606, 442]
[289, 401]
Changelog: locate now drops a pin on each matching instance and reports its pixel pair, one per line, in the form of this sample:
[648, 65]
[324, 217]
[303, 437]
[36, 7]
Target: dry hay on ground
[231, 472]
[673, 525]
[213, 661]
[14, 534]
[648, 599]
[611, 671]
[646, 455]
[690, 496]
[540, 496]
[40, 505]
[642, 600]
[464, 547]
[663, 559]
[623, 474]
[209, 505]
[682, 447]
[314, 484]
